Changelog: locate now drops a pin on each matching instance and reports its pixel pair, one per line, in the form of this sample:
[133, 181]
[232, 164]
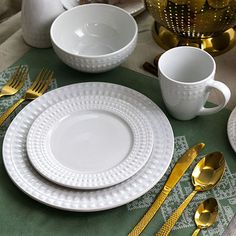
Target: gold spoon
[206, 175]
[205, 215]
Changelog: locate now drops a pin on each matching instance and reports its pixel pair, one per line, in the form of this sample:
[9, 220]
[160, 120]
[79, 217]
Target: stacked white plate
[88, 147]
[133, 7]
[231, 129]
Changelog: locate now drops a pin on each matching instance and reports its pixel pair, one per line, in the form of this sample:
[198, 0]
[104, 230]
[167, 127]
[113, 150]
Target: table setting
[90, 147]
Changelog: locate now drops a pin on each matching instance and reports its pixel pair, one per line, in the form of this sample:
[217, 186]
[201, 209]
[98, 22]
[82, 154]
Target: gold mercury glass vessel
[207, 24]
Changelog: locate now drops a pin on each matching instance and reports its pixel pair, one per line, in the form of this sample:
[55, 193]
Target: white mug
[186, 78]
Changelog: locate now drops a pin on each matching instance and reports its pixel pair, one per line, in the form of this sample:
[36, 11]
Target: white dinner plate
[134, 7]
[231, 129]
[29, 181]
[90, 142]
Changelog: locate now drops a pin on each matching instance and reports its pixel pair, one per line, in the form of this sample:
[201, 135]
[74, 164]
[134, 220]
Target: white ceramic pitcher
[37, 17]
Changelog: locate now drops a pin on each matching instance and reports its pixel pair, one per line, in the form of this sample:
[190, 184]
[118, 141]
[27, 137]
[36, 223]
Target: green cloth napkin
[21, 215]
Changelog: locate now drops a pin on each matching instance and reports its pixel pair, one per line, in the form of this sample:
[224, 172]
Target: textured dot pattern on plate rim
[231, 128]
[29, 181]
[42, 159]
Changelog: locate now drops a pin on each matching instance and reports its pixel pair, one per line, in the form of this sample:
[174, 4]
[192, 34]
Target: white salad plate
[90, 141]
[24, 175]
[133, 7]
[231, 129]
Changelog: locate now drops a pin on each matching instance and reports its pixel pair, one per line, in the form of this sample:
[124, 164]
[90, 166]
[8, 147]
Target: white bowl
[94, 37]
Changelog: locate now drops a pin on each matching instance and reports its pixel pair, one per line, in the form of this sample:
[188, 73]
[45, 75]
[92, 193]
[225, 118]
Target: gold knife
[176, 174]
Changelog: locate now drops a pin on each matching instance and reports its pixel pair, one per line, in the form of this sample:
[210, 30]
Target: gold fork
[38, 87]
[15, 83]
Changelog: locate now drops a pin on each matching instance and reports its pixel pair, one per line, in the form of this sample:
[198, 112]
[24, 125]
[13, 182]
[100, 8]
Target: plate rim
[133, 13]
[67, 205]
[38, 163]
[230, 129]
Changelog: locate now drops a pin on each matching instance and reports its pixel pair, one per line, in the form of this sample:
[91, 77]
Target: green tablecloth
[20, 215]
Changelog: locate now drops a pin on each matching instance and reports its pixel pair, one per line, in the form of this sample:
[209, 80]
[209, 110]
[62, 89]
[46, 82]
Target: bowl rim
[89, 6]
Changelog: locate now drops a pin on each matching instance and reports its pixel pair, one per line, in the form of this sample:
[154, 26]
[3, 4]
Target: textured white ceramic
[94, 37]
[231, 129]
[133, 7]
[36, 18]
[29, 181]
[186, 78]
[90, 142]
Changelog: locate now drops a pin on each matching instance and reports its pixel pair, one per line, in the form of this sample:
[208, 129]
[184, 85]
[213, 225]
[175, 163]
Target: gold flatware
[15, 83]
[206, 175]
[206, 215]
[38, 87]
[178, 171]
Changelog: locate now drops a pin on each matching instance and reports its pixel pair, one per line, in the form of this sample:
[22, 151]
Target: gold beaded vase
[207, 24]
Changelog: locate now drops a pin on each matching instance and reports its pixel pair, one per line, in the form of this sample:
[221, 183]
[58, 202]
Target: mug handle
[226, 96]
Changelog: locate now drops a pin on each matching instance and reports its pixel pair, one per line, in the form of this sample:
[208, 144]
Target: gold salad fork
[38, 87]
[15, 83]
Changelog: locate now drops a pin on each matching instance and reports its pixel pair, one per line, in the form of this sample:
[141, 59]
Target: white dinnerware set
[88, 147]
[95, 146]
